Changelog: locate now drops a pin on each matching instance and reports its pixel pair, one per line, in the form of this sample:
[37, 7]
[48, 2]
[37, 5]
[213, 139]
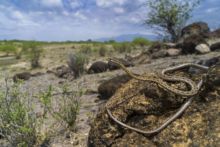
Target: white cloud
[119, 10]
[65, 13]
[52, 3]
[211, 10]
[109, 3]
[80, 15]
[75, 3]
[17, 15]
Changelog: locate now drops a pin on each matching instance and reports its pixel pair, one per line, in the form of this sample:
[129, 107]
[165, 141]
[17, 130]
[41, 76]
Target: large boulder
[189, 44]
[98, 67]
[109, 87]
[146, 106]
[197, 28]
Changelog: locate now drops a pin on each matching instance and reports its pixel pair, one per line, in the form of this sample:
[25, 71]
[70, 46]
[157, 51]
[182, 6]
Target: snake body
[160, 81]
[161, 78]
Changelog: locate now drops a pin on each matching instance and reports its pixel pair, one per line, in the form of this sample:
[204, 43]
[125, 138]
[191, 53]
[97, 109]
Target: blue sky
[59, 20]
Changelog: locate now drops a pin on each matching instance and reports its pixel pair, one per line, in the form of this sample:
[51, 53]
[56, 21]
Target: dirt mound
[146, 106]
[109, 87]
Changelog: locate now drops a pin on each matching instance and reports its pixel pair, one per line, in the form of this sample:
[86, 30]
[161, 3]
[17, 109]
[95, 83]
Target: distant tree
[170, 16]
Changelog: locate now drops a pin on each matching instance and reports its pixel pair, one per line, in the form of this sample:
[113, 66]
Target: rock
[37, 74]
[173, 52]
[202, 48]
[22, 76]
[197, 28]
[159, 54]
[188, 45]
[142, 58]
[64, 72]
[210, 62]
[157, 46]
[114, 66]
[108, 88]
[170, 44]
[215, 46]
[98, 67]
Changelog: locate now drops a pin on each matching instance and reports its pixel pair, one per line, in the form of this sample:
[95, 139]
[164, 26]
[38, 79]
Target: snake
[169, 78]
[161, 78]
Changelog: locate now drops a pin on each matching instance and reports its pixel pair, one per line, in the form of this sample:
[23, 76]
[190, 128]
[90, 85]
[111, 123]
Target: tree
[170, 16]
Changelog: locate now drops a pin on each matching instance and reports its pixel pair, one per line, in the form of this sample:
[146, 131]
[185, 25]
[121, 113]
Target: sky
[61, 20]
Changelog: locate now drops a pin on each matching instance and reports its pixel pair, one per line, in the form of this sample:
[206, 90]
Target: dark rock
[159, 54]
[98, 67]
[114, 66]
[109, 87]
[197, 28]
[157, 46]
[189, 43]
[210, 62]
[142, 58]
[64, 72]
[37, 74]
[215, 46]
[22, 76]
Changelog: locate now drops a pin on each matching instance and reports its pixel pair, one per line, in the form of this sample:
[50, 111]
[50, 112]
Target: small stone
[202, 48]
[173, 52]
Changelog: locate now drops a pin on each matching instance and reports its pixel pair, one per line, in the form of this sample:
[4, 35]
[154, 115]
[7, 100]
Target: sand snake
[194, 90]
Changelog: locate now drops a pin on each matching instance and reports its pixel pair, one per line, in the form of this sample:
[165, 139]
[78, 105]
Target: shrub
[141, 42]
[102, 50]
[85, 49]
[77, 62]
[8, 48]
[17, 121]
[68, 108]
[33, 51]
[122, 47]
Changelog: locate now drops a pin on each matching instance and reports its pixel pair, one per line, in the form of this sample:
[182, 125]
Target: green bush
[102, 50]
[33, 51]
[8, 48]
[17, 122]
[77, 62]
[141, 42]
[123, 47]
[85, 49]
[69, 105]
